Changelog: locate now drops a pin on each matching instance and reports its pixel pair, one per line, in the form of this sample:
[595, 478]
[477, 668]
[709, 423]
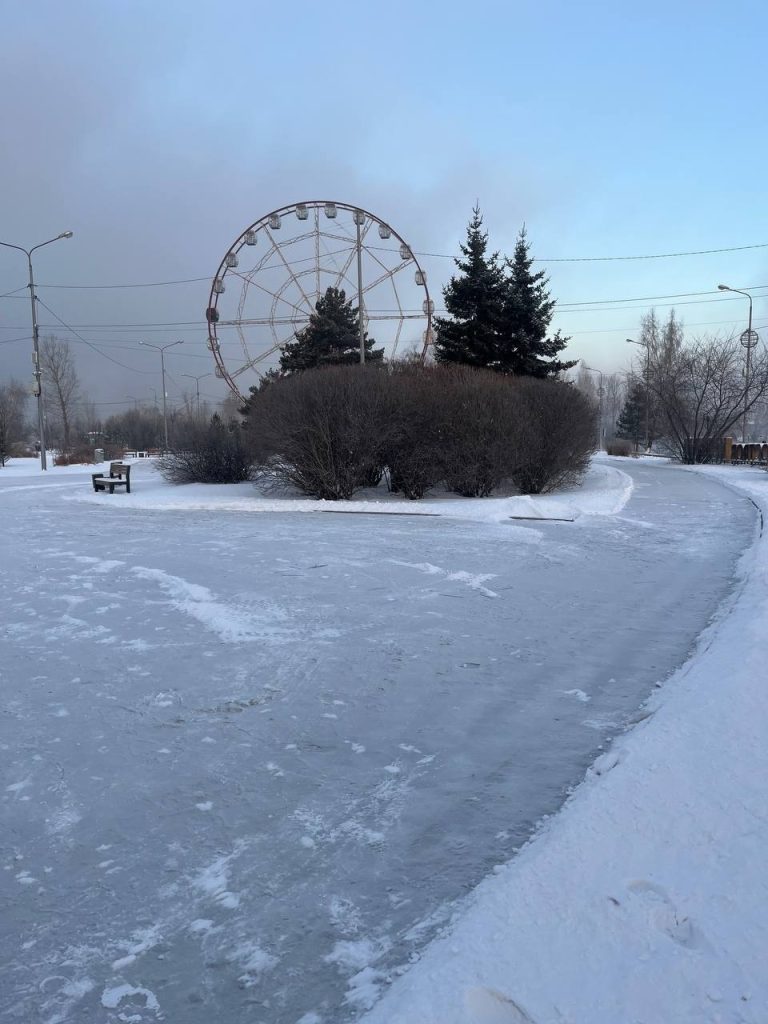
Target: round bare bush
[323, 431]
[553, 436]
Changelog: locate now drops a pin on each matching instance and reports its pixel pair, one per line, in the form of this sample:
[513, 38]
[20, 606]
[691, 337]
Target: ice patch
[355, 954]
[213, 881]
[111, 998]
[16, 787]
[475, 581]
[254, 961]
[200, 925]
[578, 694]
[344, 914]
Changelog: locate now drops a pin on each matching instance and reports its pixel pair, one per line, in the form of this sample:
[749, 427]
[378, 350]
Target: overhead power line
[611, 259]
[433, 255]
[90, 344]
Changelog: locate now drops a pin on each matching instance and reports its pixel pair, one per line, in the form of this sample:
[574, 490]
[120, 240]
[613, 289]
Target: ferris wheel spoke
[382, 277]
[277, 295]
[352, 254]
[397, 337]
[287, 266]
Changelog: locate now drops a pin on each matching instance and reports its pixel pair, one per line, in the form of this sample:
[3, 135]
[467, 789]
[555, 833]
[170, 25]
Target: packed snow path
[249, 761]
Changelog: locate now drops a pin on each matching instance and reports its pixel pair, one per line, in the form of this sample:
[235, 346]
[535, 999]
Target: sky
[157, 132]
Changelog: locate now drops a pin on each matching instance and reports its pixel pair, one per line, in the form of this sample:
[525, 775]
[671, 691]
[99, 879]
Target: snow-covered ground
[254, 763]
[604, 491]
[646, 898]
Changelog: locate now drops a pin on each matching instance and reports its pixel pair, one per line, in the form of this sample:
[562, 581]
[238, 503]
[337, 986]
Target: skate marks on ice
[475, 581]
[229, 622]
[487, 1006]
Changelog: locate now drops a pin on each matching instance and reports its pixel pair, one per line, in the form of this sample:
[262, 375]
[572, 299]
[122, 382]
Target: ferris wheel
[271, 277]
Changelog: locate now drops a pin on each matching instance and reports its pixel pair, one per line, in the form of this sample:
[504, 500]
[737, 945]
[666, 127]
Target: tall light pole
[647, 347]
[359, 217]
[36, 340]
[197, 386]
[161, 349]
[599, 402]
[748, 339]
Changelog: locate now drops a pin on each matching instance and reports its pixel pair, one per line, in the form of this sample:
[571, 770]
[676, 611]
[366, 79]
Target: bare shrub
[211, 453]
[325, 431]
[554, 435]
[76, 457]
[619, 446]
[414, 453]
[477, 430]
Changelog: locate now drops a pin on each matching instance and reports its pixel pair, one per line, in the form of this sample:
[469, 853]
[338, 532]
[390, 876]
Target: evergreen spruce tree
[631, 422]
[524, 347]
[475, 301]
[330, 338]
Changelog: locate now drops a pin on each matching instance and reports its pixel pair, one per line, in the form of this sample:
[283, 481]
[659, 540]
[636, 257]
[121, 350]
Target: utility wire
[607, 259]
[434, 255]
[90, 344]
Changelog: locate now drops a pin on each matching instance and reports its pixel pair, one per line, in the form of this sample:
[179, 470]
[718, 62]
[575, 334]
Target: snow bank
[646, 898]
[604, 491]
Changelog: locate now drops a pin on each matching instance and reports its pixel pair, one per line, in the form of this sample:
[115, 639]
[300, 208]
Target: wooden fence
[752, 453]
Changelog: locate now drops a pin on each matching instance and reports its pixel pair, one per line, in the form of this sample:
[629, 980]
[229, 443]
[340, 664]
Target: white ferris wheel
[271, 277]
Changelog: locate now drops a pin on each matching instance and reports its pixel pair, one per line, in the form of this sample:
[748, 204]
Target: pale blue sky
[158, 131]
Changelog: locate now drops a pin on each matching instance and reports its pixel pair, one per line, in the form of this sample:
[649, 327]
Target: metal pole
[35, 338]
[360, 321]
[647, 396]
[161, 349]
[746, 378]
[37, 371]
[165, 411]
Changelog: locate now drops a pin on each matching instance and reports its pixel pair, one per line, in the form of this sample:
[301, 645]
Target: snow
[604, 490]
[646, 898]
[295, 743]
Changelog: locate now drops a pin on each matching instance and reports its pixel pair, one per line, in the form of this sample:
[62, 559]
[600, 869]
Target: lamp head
[65, 234]
[724, 288]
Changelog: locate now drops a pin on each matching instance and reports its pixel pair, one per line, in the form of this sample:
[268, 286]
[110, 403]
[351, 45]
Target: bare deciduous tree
[13, 400]
[61, 387]
[701, 390]
[614, 388]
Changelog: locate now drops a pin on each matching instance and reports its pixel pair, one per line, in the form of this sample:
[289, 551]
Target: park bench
[119, 476]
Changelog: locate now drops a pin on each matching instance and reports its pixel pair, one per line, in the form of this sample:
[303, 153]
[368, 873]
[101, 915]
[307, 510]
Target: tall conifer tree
[524, 347]
[475, 301]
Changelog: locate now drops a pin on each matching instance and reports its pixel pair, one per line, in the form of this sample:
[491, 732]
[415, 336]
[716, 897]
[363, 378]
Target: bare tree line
[682, 396]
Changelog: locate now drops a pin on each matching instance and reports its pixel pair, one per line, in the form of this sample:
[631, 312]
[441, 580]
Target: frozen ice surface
[645, 899]
[292, 743]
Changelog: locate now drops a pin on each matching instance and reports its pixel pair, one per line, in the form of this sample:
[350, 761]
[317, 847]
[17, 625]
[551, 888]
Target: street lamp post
[599, 403]
[36, 340]
[647, 347]
[197, 380]
[161, 349]
[748, 340]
